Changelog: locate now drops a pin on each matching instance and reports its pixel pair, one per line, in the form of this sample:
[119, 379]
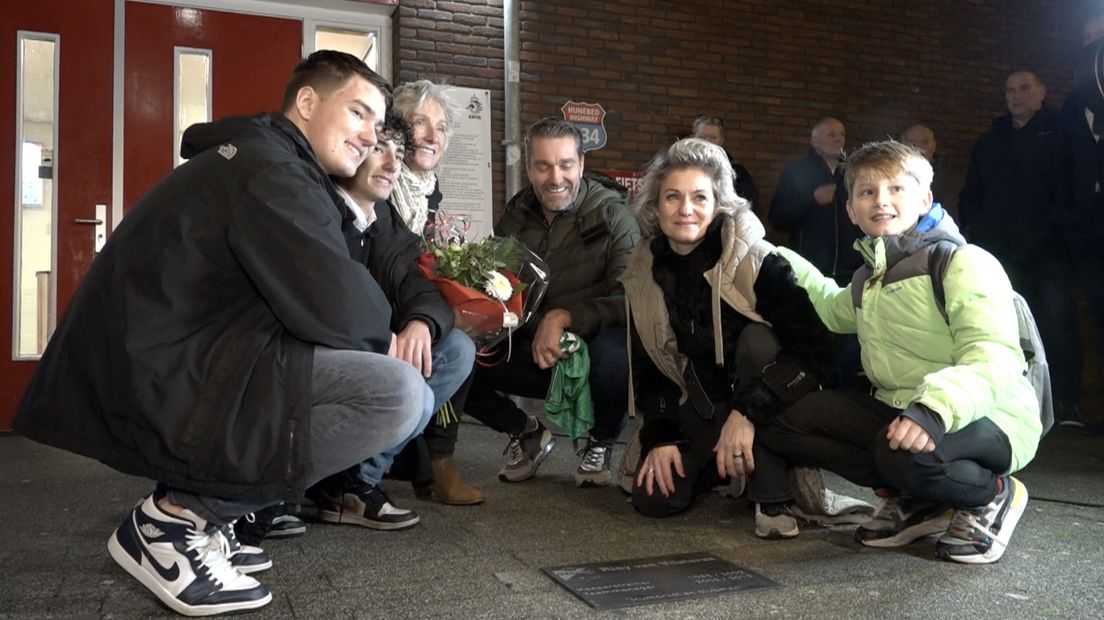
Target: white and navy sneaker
[344, 498]
[183, 561]
[247, 559]
[980, 536]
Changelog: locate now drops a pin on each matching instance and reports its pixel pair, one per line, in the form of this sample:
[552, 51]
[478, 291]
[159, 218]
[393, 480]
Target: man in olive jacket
[224, 344]
[580, 225]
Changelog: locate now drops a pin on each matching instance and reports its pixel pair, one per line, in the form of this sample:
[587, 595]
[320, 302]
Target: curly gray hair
[411, 96]
[687, 153]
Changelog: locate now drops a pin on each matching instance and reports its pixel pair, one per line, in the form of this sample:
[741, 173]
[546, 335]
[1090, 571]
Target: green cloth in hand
[568, 403]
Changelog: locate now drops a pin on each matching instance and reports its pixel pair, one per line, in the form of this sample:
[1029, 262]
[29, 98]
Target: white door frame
[313, 13]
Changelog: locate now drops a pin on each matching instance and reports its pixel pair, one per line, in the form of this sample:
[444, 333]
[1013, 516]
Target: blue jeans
[453, 358]
[361, 404]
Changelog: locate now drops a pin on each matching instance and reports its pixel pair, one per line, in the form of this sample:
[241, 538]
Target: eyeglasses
[710, 120]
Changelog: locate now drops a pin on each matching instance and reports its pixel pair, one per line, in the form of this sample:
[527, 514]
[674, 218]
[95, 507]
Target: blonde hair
[887, 159]
[687, 153]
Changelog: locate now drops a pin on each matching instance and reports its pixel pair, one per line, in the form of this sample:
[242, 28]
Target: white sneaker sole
[603, 479]
[347, 518]
[123, 559]
[1000, 545]
[506, 475]
[254, 568]
[912, 534]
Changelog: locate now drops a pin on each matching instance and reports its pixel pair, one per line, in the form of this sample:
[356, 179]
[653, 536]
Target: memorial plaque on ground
[626, 583]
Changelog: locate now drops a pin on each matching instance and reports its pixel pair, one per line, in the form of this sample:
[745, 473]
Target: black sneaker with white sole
[183, 562]
[898, 522]
[248, 559]
[344, 498]
[276, 521]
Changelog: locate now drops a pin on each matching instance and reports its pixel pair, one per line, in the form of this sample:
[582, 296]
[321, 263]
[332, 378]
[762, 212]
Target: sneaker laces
[514, 452]
[888, 506]
[212, 551]
[966, 523]
[594, 455]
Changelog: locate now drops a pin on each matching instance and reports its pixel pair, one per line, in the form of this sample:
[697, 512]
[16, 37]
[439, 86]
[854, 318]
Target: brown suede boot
[449, 488]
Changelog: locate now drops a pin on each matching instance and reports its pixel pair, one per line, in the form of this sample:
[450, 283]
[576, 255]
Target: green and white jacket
[964, 368]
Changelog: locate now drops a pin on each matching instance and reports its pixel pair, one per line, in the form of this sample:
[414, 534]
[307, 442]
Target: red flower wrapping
[476, 312]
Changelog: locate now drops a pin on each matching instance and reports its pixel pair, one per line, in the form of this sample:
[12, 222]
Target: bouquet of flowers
[493, 285]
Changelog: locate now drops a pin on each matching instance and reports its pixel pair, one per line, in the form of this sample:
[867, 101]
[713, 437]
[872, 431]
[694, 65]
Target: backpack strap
[939, 259]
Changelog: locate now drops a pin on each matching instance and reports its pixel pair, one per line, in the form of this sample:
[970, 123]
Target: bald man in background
[923, 138]
[810, 204]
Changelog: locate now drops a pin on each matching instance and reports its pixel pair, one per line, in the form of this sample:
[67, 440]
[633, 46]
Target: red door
[251, 60]
[82, 155]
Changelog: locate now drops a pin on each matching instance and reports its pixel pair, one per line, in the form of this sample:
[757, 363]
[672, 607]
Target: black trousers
[609, 375]
[845, 432]
[756, 348]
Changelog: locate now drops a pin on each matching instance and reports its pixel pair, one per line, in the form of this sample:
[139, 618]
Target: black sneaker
[343, 498]
[980, 536]
[1069, 415]
[247, 559]
[594, 464]
[897, 522]
[525, 452]
[183, 561]
[272, 522]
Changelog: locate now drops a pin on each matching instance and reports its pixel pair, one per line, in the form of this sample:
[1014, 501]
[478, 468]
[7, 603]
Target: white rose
[498, 286]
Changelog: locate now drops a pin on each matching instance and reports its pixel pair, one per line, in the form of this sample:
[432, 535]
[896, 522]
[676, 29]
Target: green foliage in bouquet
[470, 263]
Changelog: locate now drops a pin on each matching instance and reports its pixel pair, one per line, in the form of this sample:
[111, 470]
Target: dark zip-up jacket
[822, 234]
[185, 355]
[390, 251]
[585, 247]
[1008, 204]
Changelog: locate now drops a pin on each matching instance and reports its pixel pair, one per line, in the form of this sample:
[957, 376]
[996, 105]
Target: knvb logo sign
[475, 108]
[590, 118]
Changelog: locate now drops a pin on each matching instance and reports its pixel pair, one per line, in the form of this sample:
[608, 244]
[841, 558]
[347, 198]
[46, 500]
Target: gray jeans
[361, 404]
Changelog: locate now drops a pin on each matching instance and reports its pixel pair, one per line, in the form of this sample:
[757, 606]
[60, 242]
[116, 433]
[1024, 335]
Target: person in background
[1009, 205]
[1080, 197]
[809, 204]
[711, 129]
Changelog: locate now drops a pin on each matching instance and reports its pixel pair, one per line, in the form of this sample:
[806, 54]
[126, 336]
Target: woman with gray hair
[417, 200]
[428, 109]
[722, 340]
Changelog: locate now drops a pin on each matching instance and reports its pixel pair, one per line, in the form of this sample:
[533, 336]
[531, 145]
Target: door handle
[99, 233]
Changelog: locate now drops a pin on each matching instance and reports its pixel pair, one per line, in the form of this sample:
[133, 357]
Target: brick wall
[770, 68]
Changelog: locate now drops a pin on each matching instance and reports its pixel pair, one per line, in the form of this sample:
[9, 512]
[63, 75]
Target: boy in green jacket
[951, 414]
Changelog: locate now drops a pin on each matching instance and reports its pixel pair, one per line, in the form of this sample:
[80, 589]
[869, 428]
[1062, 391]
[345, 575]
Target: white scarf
[411, 197]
